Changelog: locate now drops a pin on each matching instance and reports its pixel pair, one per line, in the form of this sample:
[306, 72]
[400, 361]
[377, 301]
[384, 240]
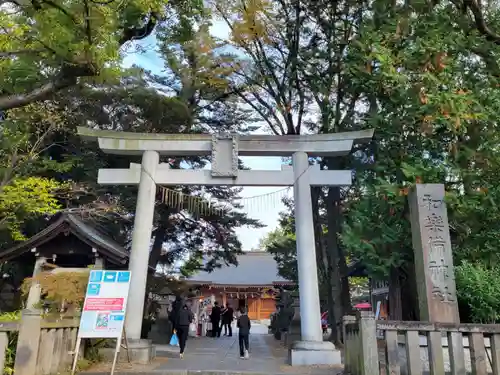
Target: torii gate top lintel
[129, 143]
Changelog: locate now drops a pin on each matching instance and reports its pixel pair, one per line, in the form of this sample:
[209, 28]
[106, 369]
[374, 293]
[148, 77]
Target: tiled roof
[254, 268]
[66, 222]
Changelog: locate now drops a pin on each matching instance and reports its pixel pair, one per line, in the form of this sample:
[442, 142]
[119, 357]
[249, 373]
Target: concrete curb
[167, 354]
[187, 372]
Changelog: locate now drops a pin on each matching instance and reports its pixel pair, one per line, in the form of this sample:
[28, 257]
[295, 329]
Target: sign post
[104, 309]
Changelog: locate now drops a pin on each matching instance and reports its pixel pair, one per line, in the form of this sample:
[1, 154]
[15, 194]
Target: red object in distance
[324, 321]
[363, 305]
[103, 304]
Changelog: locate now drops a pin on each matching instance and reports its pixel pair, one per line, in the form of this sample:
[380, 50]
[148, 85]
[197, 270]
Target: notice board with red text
[103, 313]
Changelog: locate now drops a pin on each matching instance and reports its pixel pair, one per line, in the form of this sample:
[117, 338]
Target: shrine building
[68, 241]
[253, 284]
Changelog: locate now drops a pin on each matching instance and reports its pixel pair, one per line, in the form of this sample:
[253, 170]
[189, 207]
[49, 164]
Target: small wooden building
[68, 241]
[251, 284]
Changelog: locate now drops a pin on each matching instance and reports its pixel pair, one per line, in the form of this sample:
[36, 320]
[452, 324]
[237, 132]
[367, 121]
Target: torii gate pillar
[141, 242]
[311, 349]
[225, 149]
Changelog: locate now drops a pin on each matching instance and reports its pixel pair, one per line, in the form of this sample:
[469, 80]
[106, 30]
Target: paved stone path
[267, 356]
[222, 355]
[206, 355]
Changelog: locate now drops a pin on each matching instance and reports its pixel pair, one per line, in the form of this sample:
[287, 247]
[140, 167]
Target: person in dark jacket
[183, 320]
[244, 325]
[215, 319]
[174, 312]
[227, 320]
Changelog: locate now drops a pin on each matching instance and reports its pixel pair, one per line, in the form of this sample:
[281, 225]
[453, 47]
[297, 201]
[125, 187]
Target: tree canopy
[423, 74]
[48, 168]
[47, 45]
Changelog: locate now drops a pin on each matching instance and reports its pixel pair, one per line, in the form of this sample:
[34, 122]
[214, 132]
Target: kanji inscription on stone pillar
[433, 257]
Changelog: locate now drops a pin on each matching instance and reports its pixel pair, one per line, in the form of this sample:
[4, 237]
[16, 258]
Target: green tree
[435, 123]
[47, 46]
[281, 243]
[478, 292]
[296, 76]
[266, 37]
[412, 71]
[178, 232]
[26, 191]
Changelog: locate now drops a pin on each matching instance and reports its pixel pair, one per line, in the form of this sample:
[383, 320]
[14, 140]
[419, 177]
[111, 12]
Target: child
[244, 331]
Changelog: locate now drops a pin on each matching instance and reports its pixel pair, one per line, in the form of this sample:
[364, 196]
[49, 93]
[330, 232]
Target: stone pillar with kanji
[435, 277]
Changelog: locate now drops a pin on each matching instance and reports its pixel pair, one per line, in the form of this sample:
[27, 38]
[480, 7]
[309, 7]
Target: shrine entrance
[225, 150]
[242, 303]
[253, 310]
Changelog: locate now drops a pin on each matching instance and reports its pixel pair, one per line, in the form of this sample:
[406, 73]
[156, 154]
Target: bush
[60, 289]
[478, 288]
[10, 353]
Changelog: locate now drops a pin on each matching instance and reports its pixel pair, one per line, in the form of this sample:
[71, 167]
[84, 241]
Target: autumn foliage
[61, 290]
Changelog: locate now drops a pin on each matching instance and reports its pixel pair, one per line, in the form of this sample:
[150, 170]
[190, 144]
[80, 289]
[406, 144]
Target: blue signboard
[109, 277]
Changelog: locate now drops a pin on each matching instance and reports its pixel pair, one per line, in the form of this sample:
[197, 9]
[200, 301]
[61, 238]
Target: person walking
[244, 325]
[174, 312]
[184, 319]
[215, 319]
[227, 320]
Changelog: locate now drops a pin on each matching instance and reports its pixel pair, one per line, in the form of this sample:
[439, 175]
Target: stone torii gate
[225, 150]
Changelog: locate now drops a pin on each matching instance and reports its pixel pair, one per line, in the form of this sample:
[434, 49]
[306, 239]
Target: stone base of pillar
[293, 334]
[160, 331]
[308, 353]
[140, 351]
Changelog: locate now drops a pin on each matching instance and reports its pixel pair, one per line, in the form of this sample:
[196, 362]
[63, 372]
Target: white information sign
[105, 303]
[104, 308]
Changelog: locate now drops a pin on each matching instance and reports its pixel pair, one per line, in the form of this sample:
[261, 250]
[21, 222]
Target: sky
[266, 204]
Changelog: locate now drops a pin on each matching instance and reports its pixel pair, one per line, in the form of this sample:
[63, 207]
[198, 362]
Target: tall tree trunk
[346, 290]
[345, 293]
[154, 257]
[323, 262]
[395, 304]
[409, 291]
[156, 249]
[333, 261]
[336, 257]
[160, 237]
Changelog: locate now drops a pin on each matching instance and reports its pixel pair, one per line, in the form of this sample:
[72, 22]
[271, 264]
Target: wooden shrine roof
[70, 223]
[254, 269]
